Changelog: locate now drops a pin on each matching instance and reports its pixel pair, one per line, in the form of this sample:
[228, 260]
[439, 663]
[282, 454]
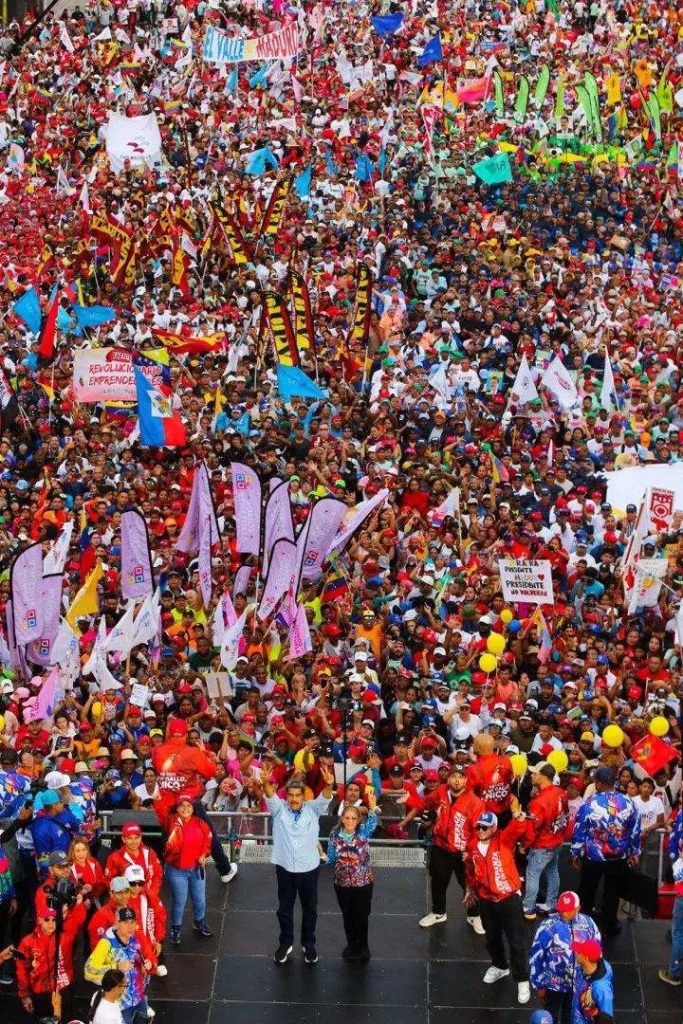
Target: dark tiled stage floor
[415, 976]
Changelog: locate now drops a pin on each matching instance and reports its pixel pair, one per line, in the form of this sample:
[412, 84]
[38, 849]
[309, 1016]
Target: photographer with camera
[45, 962]
[58, 880]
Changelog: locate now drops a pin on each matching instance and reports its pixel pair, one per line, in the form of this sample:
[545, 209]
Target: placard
[527, 581]
[106, 374]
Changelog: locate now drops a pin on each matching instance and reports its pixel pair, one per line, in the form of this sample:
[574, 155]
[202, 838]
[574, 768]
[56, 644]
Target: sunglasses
[134, 884]
[482, 828]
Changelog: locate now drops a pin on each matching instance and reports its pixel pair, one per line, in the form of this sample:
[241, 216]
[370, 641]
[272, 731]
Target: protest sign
[660, 509]
[530, 582]
[107, 374]
[133, 140]
[139, 694]
[220, 48]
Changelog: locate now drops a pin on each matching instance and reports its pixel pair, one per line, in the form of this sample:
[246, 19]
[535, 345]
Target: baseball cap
[396, 770]
[536, 769]
[134, 873]
[590, 948]
[177, 727]
[119, 884]
[131, 828]
[586, 737]
[568, 902]
[125, 914]
[487, 818]
[541, 1017]
[57, 780]
[58, 858]
[128, 755]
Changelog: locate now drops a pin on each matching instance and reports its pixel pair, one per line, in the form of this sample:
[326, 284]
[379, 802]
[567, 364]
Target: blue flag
[93, 316]
[231, 83]
[329, 162]
[260, 161]
[63, 319]
[27, 308]
[292, 381]
[302, 183]
[385, 24]
[432, 52]
[364, 167]
[259, 76]
[494, 170]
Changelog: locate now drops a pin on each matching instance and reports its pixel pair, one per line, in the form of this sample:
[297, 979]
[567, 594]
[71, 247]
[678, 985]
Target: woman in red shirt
[87, 873]
[187, 848]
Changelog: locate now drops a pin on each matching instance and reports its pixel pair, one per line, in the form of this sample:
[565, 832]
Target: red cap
[428, 743]
[590, 948]
[67, 764]
[178, 727]
[185, 797]
[131, 828]
[431, 776]
[568, 903]
[634, 693]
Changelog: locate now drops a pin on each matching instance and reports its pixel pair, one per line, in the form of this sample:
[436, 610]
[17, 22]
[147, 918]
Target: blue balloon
[514, 626]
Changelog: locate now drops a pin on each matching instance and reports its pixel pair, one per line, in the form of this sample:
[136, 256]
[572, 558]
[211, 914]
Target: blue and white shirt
[607, 827]
[552, 963]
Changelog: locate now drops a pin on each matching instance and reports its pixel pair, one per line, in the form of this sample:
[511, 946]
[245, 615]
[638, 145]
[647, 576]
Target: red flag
[46, 349]
[652, 753]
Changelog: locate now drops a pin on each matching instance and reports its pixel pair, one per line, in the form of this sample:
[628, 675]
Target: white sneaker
[161, 971]
[523, 992]
[543, 908]
[230, 875]
[151, 1014]
[475, 922]
[495, 974]
[430, 919]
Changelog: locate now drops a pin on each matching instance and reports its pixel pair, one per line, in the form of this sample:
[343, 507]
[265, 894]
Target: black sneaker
[202, 929]
[175, 936]
[310, 955]
[281, 954]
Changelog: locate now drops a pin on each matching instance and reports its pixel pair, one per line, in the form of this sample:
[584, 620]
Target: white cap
[134, 873]
[57, 780]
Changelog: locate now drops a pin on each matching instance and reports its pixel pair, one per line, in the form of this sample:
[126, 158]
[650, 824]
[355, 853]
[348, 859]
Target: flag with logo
[557, 380]
[315, 540]
[280, 577]
[523, 389]
[299, 635]
[39, 651]
[137, 577]
[246, 493]
[277, 518]
[26, 577]
[357, 517]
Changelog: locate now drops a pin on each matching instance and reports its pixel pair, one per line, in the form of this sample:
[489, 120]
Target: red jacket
[105, 918]
[491, 778]
[120, 859]
[91, 874]
[456, 817]
[187, 842]
[180, 769]
[493, 875]
[548, 819]
[151, 914]
[36, 973]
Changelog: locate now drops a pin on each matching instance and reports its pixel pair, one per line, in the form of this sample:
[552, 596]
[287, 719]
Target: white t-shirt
[648, 812]
[108, 1013]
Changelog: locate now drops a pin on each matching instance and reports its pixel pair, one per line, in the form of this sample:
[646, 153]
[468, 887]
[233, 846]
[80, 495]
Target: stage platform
[414, 977]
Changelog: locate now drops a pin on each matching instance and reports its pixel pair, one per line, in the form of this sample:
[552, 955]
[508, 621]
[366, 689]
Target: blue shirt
[296, 833]
[552, 963]
[607, 827]
[593, 995]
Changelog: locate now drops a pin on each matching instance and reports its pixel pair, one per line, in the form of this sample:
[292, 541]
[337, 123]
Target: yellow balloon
[558, 759]
[495, 643]
[613, 736]
[506, 616]
[2, 723]
[659, 726]
[645, 438]
[518, 762]
[487, 663]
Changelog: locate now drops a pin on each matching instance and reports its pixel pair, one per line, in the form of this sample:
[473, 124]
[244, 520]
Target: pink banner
[246, 493]
[137, 579]
[41, 706]
[25, 584]
[315, 539]
[201, 504]
[277, 519]
[39, 651]
[299, 635]
[282, 574]
[358, 516]
[205, 575]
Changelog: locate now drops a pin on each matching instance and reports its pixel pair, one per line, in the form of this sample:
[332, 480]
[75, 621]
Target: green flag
[665, 95]
[542, 86]
[594, 97]
[652, 109]
[498, 92]
[494, 170]
[559, 97]
[522, 98]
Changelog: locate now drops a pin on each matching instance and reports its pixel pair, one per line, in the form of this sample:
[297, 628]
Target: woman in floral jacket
[348, 850]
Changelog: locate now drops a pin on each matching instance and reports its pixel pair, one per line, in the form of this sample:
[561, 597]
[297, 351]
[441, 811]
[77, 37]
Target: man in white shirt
[650, 808]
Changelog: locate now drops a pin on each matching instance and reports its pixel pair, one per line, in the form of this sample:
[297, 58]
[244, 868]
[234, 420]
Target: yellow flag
[86, 601]
[613, 90]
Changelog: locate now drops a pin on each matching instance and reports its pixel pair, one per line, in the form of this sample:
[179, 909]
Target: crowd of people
[460, 226]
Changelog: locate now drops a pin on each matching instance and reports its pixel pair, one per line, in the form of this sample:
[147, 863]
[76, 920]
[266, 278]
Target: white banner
[107, 374]
[530, 582]
[626, 486]
[133, 139]
[220, 48]
[649, 575]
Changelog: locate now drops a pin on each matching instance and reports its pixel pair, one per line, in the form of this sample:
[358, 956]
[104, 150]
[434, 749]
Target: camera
[427, 819]
[63, 894]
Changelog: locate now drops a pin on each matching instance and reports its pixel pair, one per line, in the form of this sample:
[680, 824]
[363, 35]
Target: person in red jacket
[548, 818]
[149, 910]
[181, 768]
[491, 778]
[457, 809]
[187, 848]
[104, 918]
[132, 852]
[87, 873]
[493, 879]
[44, 979]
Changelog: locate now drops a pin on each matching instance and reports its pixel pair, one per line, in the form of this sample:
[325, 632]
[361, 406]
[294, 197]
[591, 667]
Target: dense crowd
[506, 179]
